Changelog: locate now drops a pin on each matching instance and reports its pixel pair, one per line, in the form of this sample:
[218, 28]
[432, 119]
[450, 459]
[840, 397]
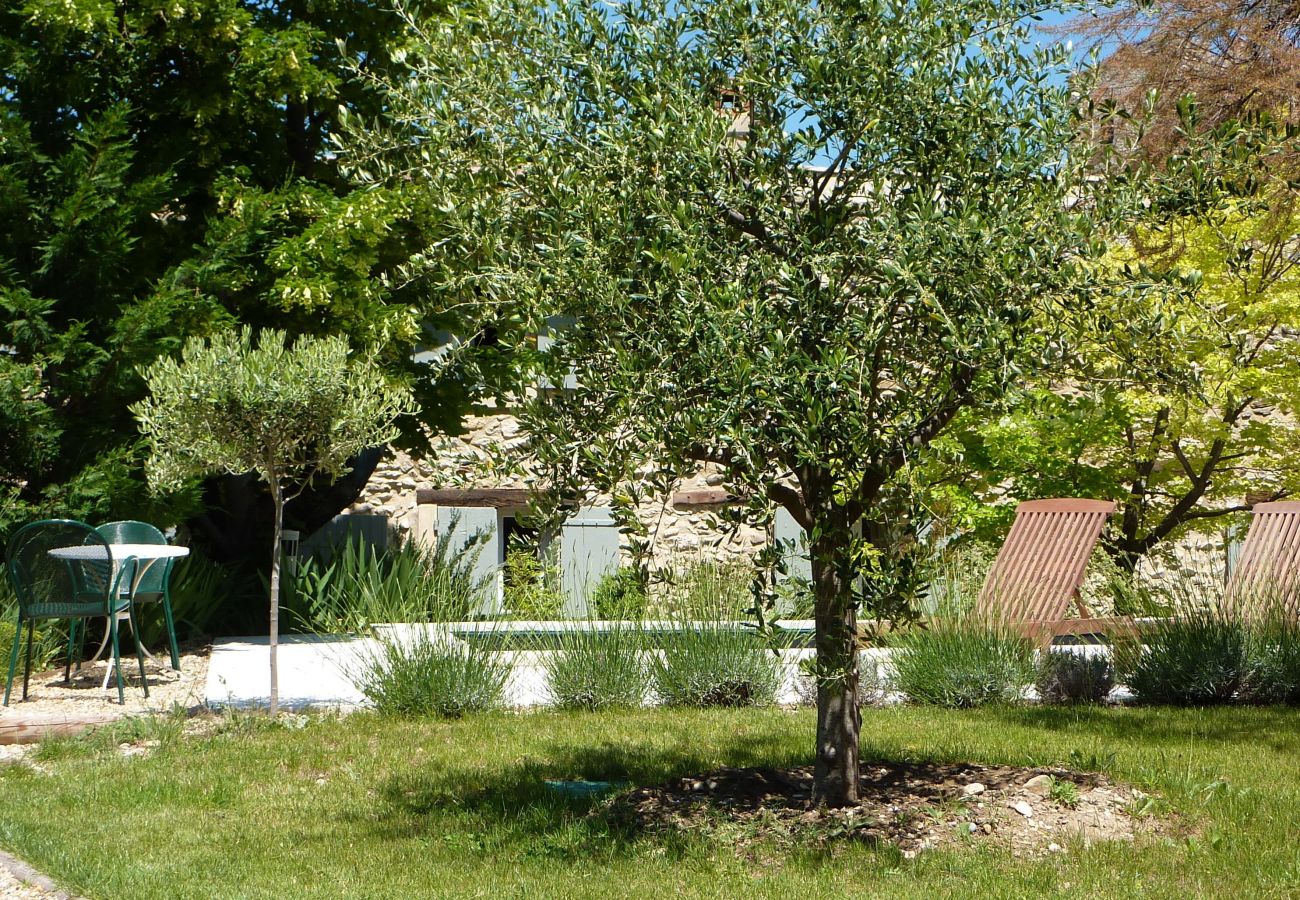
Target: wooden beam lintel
[704, 497]
[499, 498]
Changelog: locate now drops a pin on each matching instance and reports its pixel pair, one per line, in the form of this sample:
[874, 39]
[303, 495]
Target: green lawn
[367, 807]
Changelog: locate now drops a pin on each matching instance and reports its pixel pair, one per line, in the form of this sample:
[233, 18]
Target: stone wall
[492, 453]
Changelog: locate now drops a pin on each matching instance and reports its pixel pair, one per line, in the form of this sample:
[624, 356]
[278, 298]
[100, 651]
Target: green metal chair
[50, 587]
[155, 582]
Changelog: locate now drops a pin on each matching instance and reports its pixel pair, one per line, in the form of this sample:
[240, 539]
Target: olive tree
[289, 413]
[791, 240]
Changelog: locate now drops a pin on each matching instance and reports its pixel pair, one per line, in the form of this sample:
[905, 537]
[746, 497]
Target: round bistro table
[145, 555]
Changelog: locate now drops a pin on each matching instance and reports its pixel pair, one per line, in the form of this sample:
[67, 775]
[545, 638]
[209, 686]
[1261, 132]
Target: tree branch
[792, 501]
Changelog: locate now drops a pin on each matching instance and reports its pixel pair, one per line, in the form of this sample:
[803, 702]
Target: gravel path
[50, 695]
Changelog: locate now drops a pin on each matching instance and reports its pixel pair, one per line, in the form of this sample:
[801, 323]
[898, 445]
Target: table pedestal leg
[122, 616]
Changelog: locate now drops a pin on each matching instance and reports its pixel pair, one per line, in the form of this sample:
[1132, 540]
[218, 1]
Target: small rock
[988, 827]
[1023, 808]
[973, 788]
[967, 828]
[1039, 784]
[1054, 848]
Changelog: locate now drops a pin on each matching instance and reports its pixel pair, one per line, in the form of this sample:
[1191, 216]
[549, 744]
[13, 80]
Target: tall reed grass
[361, 586]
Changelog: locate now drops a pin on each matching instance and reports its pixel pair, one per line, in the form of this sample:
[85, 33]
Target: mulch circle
[911, 806]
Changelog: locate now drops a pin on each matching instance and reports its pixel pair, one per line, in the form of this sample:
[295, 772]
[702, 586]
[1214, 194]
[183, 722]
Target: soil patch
[913, 807]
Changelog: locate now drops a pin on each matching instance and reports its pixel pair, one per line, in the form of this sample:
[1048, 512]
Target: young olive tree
[290, 413]
[789, 239]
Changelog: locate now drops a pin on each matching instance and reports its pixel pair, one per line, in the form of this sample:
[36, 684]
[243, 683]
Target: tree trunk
[277, 495]
[835, 776]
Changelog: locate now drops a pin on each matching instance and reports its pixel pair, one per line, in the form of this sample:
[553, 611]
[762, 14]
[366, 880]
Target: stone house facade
[462, 488]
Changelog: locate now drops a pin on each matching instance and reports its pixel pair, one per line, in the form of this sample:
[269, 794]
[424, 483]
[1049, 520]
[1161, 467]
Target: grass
[374, 807]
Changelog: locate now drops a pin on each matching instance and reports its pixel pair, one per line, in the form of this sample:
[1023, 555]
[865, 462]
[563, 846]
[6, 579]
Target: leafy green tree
[290, 414]
[166, 172]
[793, 240]
[1180, 404]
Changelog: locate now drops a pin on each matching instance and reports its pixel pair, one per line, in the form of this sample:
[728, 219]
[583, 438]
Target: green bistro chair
[50, 587]
[155, 581]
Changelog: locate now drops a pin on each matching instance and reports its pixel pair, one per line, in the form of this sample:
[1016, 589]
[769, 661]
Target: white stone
[1039, 784]
[973, 788]
[1023, 808]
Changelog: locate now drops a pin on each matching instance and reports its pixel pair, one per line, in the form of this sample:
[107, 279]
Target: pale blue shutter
[589, 542]
[1232, 541]
[476, 530]
[793, 541]
[546, 340]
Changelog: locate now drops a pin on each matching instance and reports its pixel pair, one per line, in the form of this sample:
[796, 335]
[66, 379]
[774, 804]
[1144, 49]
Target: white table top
[121, 551]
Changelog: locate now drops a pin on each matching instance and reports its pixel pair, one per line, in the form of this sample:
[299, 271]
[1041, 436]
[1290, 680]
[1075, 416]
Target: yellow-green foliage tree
[1181, 403]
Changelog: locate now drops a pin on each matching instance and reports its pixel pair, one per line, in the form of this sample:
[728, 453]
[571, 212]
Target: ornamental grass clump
[1274, 669]
[418, 673]
[1068, 677]
[1199, 658]
[598, 669]
[354, 585]
[708, 589]
[715, 663]
[620, 594]
[962, 664]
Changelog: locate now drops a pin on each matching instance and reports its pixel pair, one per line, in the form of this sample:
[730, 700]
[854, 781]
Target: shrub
[1273, 674]
[47, 643]
[48, 640]
[1199, 658]
[598, 670]
[872, 688]
[1067, 677]
[958, 664]
[620, 594]
[715, 664]
[358, 585]
[413, 673]
[201, 591]
[529, 592]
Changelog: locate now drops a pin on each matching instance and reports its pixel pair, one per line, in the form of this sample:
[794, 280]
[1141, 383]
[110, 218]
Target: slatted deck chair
[1040, 568]
[1266, 579]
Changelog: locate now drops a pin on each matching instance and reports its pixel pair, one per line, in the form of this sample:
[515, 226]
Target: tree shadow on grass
[512, 806]
[1276, 728]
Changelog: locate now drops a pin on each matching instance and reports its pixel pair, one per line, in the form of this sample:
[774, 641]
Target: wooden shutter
[477, 531]
[794, 545]
[589, 550]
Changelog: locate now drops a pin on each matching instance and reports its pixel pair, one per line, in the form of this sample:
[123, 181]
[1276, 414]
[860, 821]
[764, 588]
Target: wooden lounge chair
[1040, 568]
[1267, 575]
